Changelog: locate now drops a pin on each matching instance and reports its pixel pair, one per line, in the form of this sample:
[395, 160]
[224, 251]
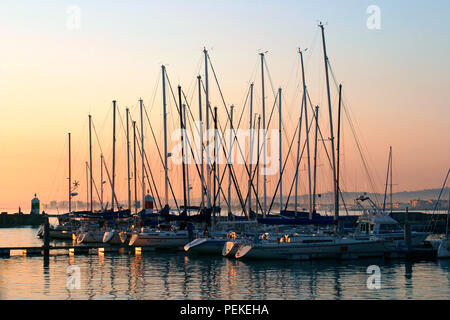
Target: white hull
[112, 237]
[444, 249]
[206, 246]
[90, 237]
[337, 249]
[230, 248]
[160, 240]
[398, 239]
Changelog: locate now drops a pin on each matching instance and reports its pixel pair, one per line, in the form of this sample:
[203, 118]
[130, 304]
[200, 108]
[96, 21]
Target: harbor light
[137, 250]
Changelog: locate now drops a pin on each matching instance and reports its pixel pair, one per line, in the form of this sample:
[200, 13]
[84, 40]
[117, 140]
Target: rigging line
[284, 165]
[270, 78]
[298, 164]
[155, 90]
[160, 157]
[437, 202]
[226, 109]
[110, 182]
[363, 158]
[148, 172]
[149, 168]
[178, 109]
[52, 193]
[240, 150]
[95, 186]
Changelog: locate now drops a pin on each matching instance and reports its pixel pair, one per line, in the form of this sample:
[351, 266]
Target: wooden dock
[5, 252]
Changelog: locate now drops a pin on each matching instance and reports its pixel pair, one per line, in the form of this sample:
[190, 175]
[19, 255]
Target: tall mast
[264, 134]
[128, 159]
[391, 176]
[257, 165]
[70, 179]
[186, 155]
[338, 147]
[336, 209]
[101, 181]
[297, 173]
[134, 166]
[305, 106]
[141, 107]
[182, 149]
[114, 155]
[208, 174]
[280, 153]
[90, 161]
[250, 154]
[202, 176]
[315, 160]
[215, 158]
[230, 152]
[387, 180]
[166, 178]
[87, 185]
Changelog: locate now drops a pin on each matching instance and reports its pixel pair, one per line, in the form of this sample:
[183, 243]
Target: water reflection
[159, 275]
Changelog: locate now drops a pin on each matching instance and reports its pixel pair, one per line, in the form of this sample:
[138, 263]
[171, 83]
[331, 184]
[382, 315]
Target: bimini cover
[381, 218]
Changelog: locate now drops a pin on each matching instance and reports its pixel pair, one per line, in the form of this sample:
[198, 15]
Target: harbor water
[177, 275]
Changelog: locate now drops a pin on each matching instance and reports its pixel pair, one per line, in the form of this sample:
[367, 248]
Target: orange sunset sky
[395, 80]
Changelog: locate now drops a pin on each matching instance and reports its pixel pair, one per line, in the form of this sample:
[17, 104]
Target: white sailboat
[312, 247]
[161, 239]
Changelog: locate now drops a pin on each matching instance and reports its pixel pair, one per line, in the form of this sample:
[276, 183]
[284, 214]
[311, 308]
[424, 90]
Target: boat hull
[335, 250]
[159, 240]
[208, 246]
[443, 251]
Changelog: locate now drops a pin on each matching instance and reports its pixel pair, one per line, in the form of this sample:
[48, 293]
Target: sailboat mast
[305, 106]
[70, 179]
[230, 152]
[387, 181]
[208, 173]
[134, 166]
[250, 154]
[215, 160]
[390, 149]
[166, 177]
[202, 175]
[101, 181]
[114, 156]
[280, 153]
[257, 165]
[182, 149]
[264, 135]
[338, 146]
[333, 157]
[315, 160]
[90, 161]
[128, 159]
[297, 174]
[141, 107]
[87, 185]
[186, 155]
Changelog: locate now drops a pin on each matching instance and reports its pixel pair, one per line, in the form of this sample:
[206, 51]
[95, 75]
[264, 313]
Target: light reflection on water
[158, 275]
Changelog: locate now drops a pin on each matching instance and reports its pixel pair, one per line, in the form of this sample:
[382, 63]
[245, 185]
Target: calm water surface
[159, 275]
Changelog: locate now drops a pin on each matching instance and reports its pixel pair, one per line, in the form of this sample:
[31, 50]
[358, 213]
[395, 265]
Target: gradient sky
[396, 80]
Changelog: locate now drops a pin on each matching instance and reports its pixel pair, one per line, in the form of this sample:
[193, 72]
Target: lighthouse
[35, 205]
